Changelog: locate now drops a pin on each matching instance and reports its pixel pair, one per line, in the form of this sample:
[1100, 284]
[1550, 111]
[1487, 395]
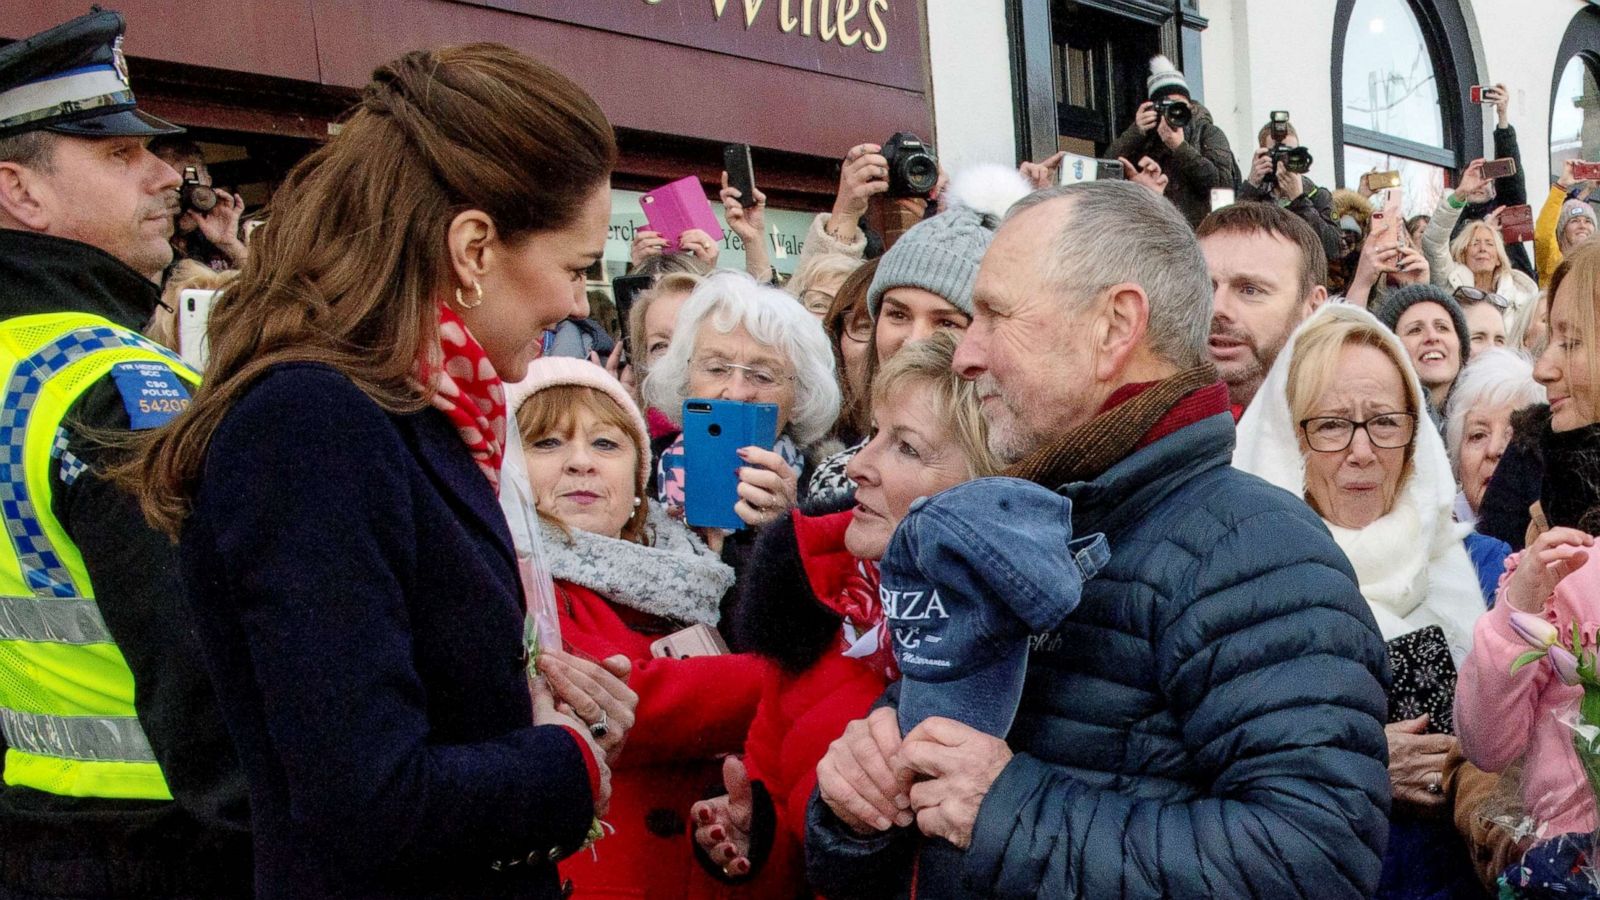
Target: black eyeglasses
[1386, 431]
[1473, 295]
[856, 325]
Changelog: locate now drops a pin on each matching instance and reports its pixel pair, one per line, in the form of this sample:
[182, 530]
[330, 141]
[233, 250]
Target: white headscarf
[1411, 563]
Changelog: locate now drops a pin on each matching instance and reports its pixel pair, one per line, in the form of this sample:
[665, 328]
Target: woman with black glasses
[1340, 421]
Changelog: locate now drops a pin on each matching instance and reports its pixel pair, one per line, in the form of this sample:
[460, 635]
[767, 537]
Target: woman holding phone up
[333, 487]
[739, 340]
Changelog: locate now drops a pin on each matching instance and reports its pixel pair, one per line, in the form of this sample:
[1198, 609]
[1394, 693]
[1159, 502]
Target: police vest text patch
[151, 392]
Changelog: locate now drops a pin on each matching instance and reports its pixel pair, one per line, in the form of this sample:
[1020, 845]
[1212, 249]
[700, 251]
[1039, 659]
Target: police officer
[119, 780]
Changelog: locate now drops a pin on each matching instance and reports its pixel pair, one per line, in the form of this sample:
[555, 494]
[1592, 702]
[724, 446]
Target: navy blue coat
[357, 598]
[1208, 722]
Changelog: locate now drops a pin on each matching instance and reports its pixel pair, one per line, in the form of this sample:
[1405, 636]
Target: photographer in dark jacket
[1195, 156]
[1290, 190]
[120, 780]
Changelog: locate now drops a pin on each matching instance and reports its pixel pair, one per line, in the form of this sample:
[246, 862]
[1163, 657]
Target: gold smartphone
[696, 640]
[1381, 181]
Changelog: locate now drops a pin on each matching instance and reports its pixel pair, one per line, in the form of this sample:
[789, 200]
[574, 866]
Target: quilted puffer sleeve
[1275, 671]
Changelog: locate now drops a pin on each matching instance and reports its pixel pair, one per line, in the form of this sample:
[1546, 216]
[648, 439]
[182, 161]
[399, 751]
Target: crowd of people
[401, 595]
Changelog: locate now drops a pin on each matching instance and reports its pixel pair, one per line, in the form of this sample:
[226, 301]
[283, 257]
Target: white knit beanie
[558, 371]
[1573, 209]
[1165, 78]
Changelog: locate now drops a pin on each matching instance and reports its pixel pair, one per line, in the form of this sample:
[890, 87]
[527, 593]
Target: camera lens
[922, 173]
[1179, 115]
[202, 198]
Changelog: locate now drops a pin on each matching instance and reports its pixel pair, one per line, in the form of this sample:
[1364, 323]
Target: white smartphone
[1221, 197]
[194, 310]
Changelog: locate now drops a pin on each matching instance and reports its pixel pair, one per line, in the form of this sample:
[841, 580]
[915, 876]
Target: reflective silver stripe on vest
[88, 738]
[57, 620]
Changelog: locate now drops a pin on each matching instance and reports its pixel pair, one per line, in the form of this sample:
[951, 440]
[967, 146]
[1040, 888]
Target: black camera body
[913, 168]
[193, 195]
[1294, 159]
[1176, 111]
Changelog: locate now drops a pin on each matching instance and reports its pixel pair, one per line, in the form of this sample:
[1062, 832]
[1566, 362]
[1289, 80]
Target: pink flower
[1566, 665]
[1535, 630]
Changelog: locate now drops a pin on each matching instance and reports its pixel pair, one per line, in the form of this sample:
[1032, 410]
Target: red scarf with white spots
[466, 388]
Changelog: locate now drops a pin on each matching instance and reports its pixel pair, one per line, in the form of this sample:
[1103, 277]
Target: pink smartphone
[675, 208]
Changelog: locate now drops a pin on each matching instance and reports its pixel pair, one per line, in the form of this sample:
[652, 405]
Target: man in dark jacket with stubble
[1195, 157]
[1209, 721]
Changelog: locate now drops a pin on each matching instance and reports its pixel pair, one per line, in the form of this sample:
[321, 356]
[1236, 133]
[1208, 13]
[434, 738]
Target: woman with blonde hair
[1509, 716]
[334, 491]
[1476, 258]
[1341, 421]
[819, 278]
[808, 605]
[186, 275]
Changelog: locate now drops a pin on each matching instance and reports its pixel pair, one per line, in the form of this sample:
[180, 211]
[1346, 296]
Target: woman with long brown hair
[333, 489]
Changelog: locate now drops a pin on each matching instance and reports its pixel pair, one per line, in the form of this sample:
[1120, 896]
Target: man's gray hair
[1495, 377]
[34, 149]
[1117, 231]
[728, 300]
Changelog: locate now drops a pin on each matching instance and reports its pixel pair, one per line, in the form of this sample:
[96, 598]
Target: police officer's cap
[72, 79]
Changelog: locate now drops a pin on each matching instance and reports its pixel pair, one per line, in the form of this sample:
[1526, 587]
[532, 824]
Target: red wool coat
[802, 710]
[691, 713]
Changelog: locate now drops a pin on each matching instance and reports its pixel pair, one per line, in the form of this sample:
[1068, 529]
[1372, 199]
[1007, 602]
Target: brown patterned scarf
[1085, 453]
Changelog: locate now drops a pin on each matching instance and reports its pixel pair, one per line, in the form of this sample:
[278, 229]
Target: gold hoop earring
[461, 302]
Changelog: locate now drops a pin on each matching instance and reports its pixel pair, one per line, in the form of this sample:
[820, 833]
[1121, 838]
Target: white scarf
[1411, 564]
[675, 576]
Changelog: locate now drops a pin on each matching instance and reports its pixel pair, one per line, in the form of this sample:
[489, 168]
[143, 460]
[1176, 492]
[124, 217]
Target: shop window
[1391, 106]
[1099, 61]
[1575, 114]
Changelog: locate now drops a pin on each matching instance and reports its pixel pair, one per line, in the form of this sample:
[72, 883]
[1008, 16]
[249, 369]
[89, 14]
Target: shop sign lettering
[848, 22]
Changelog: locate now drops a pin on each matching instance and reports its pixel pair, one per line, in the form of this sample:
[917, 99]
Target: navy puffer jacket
[1208, 723]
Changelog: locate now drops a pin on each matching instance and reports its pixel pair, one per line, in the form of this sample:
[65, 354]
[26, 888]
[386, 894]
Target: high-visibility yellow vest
[66, 693]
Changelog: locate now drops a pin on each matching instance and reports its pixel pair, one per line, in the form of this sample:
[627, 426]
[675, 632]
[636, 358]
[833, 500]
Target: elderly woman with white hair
[1476, 258]
[1477, 431]
[736, 339]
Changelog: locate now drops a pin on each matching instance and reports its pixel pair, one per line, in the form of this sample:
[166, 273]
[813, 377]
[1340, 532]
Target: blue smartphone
[714, 431]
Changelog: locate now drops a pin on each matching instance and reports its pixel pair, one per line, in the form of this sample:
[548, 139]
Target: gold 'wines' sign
[833, 19]
[873, 41]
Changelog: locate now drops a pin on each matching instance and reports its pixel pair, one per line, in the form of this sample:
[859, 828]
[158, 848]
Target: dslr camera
[192, 195]
[1294, 159]
[1176, 111]
[913, 169]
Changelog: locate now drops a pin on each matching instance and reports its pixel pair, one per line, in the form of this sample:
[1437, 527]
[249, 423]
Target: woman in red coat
[809, 604]
[625, 576]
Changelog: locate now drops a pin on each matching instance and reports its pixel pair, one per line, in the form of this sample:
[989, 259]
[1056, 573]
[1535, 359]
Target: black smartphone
[741, 173]
[624, 288]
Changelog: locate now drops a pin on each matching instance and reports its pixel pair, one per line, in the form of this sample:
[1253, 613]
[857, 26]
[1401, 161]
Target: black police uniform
[197, 845]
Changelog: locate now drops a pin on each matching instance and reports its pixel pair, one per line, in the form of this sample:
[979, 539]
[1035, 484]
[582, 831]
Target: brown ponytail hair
[353, 258]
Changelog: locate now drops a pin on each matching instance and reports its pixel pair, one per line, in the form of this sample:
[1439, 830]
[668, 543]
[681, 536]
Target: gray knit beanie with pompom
[941, 255]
